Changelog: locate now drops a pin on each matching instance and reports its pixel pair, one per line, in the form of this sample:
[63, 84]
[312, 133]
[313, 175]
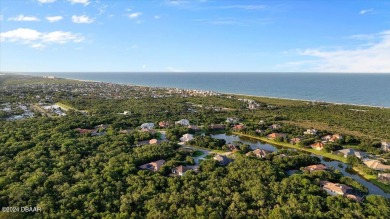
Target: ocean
[360, 89]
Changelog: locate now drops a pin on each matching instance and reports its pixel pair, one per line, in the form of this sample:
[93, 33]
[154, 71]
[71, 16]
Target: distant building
[232, 120]
[238, 127]
[295, 141]
[180, 170]
[153, 141]
[186, 137]
[384, 177]
[258, 153]
[339, 189]
[183, 122]
[216, 127]
[153, 166]
[223, 160]
[376, 165]
[276, 135]
[315, 167]
[310, 132]
[194, 128]
[348, 152]
[163, 124]
[385, 146]
[147, 126]
[275, 127]
[318, 146]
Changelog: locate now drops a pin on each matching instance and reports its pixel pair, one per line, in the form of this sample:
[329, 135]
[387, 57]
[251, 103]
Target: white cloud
[157, 17]
[39, 40]
[366, 11]
[54, 18]
[144, 66]
[21, 17]
[46, 1]
[134, 15]
[84, 2]
[82, 19]
[373, 57]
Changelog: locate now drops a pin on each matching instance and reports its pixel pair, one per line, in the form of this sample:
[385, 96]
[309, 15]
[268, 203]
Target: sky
[195, 36]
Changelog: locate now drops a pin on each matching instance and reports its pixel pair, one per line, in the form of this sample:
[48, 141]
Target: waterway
[255, 144]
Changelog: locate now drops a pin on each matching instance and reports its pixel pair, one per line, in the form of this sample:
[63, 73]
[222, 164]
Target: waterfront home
[148, 126]
[315, 167]
[339, 189]
[183, 122]
[310, 132]
[295, 141]
[275, 126]
[258, 153]
[238, 127]
[186, 137]
[163, 124]
[180, 170]
[153, 166]
[385, 177]
[335, 138]
[385, 146]
[318, 146]
[376, 165]
[223, 160]
[326, 138]
[349, 152]
[276, 135]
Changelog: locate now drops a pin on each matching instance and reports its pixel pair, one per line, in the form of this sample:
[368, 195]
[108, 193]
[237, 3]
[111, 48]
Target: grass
[283, 144]
[373, 179]
[65, 107]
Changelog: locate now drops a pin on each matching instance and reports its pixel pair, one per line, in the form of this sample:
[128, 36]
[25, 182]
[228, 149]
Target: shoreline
[236, 94]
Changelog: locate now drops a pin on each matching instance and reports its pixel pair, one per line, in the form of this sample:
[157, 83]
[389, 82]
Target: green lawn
[65, 107]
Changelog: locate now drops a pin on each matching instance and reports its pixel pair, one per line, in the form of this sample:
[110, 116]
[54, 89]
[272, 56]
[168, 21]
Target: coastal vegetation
[86, 162]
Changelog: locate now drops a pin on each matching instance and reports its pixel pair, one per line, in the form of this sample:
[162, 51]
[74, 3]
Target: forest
[46, 162]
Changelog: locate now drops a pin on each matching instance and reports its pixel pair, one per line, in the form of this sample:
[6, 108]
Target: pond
[373, 189]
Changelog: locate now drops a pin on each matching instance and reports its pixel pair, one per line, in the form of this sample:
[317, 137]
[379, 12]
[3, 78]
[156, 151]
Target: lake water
[362, 89]
[373, 189]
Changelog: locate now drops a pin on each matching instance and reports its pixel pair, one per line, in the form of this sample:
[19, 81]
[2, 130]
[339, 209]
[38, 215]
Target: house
[275, 126]
[194, 128]
[384, 177]
[318, 146]
[276, 135]
[335, 138]
[101, 127]
[180, 170]
[186, 137]
[295, 141]
[183, 122]
[148, 126]
[232, 120]
[150, 131]
[232, 147]
[238, 127]
[223, 160]
[376, 165]
[326, 138]
[258, 153]
[153, 141]
[259, 131]
[348, 152]
[310, 132]
[153, 166]
[315, 167]
[385, 146]
[163, 124]
[261, 122]
[339, 189]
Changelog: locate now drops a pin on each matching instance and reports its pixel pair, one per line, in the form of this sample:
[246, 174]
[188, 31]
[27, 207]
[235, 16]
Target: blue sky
[195, 35]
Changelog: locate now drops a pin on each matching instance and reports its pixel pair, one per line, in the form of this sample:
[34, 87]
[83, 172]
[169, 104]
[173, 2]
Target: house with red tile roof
[318, 146]
[153, 166]
[315, 167]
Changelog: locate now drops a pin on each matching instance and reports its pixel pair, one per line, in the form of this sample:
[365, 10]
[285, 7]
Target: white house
[186, 137]
[147, 126]
[310, 132]
[231, 120]
[385, 146]
[183, 122]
